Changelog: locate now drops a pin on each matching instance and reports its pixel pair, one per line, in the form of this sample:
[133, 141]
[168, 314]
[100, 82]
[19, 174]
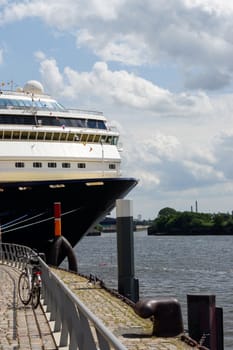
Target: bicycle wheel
[35, 296]
[24, 288]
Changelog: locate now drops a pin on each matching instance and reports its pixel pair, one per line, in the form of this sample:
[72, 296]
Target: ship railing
[72, 323]
[84, 111]
[49, 110]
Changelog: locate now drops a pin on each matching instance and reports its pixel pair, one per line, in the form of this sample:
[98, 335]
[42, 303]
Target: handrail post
[127, 284]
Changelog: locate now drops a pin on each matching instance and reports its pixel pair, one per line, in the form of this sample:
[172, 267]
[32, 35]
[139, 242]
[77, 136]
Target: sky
[162, 73]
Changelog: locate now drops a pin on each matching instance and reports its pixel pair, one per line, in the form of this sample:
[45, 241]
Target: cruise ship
[51, 154]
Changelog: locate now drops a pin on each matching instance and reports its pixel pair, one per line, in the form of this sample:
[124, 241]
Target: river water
[169, 267]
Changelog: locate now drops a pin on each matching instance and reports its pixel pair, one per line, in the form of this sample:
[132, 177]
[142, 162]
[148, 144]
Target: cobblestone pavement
[119, 317]
[21, 327]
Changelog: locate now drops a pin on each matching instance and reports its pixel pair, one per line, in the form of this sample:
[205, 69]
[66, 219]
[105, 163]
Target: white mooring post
[127, 285]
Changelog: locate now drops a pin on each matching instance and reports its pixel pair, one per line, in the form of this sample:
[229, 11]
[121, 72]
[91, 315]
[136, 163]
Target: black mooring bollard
[167, 316]
[205, 321]
[127, 285]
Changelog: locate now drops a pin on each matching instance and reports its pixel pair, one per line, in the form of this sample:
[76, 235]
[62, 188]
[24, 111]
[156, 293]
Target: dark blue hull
[26, 209]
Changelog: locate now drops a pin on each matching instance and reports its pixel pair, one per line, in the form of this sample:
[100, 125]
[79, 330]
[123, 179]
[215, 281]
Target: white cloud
[48, 68]
[211, 6]
[122, 88]
[163, 146]
[128, 48]
[62, 14]
[194, 35]
[204, 172]
[105, 9]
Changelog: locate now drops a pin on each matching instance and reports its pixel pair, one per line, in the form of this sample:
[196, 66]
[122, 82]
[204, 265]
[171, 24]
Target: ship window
[21, 103]
[112, 166]
[37, 165]
[63, 136]
[70, 137]
[96, 124]
[7, 134]
[103, 139]
[91, 123]
[80, 123]
[115, 140]
[24, 135]
[84, 138]
[52, 165]
[101, 124]
[48, 135]
[97, 138]
[40, 135]
[77, 137]
[15, 103]
[27, 103]
[56, 136]
[65, 165]
[19, 165]
[16, 134]
[91, 138]
[109, 139]
[48, 105]
[81, 165]
[44, 120]
[32, 136]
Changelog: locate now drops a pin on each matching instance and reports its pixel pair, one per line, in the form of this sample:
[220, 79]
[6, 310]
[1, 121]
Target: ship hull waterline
[26, 209]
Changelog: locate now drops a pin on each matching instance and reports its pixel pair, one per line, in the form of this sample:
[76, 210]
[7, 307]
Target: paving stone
[18, 323]
[21, 328]
[119, 317]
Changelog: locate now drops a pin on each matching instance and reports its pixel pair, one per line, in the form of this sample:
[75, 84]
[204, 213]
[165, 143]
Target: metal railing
[78, 327]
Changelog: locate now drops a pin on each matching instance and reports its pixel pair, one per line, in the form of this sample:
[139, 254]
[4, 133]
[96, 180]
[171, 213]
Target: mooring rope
[16, 221]
[13, 221]
[37, 222]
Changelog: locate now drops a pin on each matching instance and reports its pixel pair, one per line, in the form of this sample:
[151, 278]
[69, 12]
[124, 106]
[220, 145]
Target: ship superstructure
[41, 140]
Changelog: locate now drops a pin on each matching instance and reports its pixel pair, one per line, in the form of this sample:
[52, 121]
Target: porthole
[52, 165]
[19, 165]
[37, 165]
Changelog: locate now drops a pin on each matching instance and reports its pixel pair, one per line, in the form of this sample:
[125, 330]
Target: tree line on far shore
[172, 222]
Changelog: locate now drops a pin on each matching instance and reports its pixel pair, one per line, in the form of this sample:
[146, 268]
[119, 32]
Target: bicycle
[29, 284]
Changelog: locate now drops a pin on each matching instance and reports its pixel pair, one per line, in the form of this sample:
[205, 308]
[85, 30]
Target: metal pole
[57, 219]
[202, 320]
[127, 285]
